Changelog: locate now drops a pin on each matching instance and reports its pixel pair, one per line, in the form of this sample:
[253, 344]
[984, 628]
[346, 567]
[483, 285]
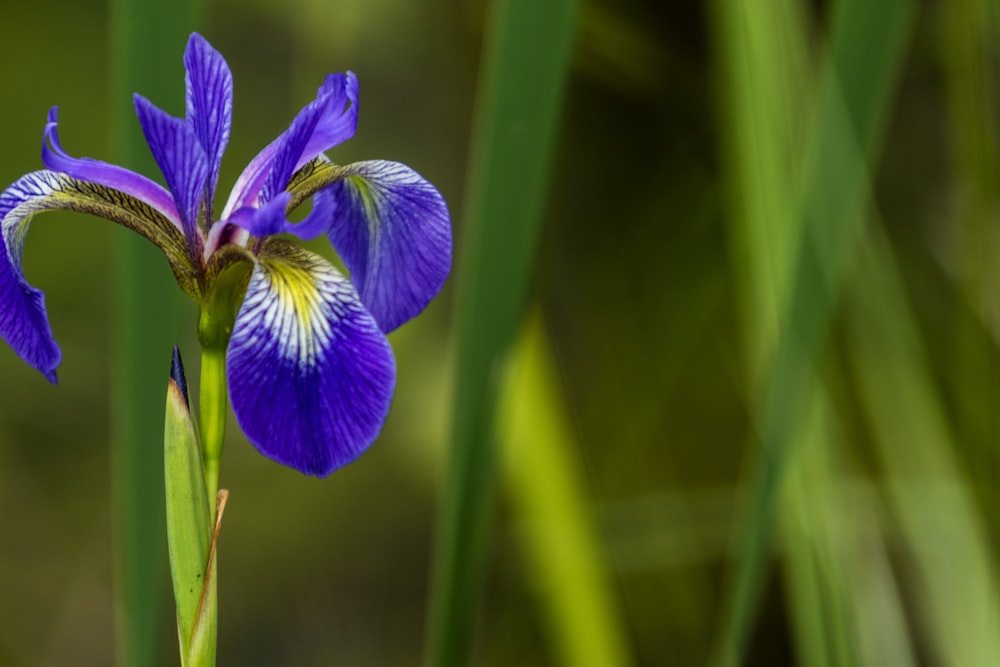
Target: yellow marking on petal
[295, 311]
[364, 193]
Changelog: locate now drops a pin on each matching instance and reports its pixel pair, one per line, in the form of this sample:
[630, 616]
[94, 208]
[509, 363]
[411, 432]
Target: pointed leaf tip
[177, 374]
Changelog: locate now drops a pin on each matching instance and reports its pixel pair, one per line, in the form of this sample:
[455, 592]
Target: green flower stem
[215, 325]
[213, 331]
[213, 415]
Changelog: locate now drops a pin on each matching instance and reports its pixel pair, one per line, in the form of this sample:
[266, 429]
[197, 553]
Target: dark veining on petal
[313, 177]
[138, 216]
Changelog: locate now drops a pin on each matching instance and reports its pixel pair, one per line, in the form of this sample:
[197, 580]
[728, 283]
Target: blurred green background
[756, 409]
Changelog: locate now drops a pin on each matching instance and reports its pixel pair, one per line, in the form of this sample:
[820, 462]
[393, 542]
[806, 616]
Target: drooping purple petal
[23, 320]
[310, 374]
[24, 323]
[102, 173]
[392, 229]
[180, 157]
[209, 86]
[336, 111]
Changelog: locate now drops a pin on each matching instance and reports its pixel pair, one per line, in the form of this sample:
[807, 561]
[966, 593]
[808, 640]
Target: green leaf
[525, 64]
[188, 516]
[547, 485]
[946, 538]
[809, 254]
[201, 651]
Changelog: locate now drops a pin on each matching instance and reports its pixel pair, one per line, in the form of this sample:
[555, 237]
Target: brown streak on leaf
[220, 505]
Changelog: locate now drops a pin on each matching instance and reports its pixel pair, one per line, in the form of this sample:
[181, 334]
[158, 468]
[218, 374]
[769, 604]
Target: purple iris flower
[309, 369]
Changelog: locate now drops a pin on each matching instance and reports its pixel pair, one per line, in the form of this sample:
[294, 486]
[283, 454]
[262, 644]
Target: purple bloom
[309, 368]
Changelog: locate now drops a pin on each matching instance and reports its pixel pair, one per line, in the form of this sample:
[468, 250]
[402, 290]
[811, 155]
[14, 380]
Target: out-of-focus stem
[147, 39]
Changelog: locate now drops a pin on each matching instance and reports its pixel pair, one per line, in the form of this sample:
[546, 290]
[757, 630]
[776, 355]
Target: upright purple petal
[181, 158]
[293, 142]
[246, 190]
[102, 173]
[339, 120]
[209, 101]
[310, 374]
[330, 119]
[392, 229]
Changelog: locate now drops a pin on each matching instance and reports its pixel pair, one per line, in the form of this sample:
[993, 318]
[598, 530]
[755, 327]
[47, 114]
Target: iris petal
[209, 86]
[332, 118]
[247, 188]
[339, 119]
[271, 218]
[264, 221]
[86, 169]
[181, 158]
[293, 142]
[318, 220]
[23, 321]
[310, 374]
[392, 229]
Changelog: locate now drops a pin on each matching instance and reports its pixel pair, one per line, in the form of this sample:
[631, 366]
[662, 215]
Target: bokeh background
[762, 375]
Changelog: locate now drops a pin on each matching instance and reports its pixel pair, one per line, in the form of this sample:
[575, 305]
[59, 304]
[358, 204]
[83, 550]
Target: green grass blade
[864, 54]
[844, 603]
[766, 66]
[548, 497]
[525, 64]
[758, 50]
[968, 52]
[953, 561]
[148, 40]
[805, 528]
